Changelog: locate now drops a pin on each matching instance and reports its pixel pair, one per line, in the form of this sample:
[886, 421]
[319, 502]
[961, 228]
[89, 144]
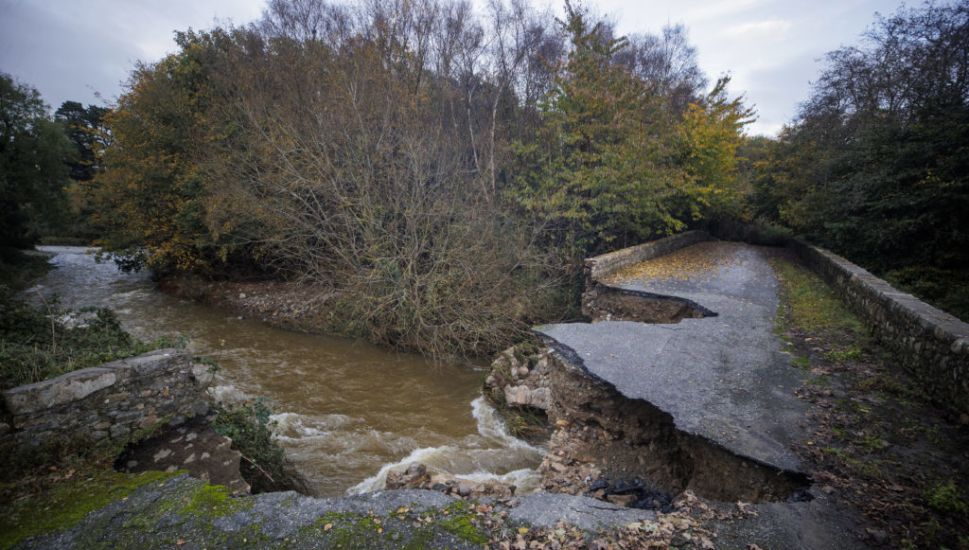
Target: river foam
[475, 459]
[345, 409]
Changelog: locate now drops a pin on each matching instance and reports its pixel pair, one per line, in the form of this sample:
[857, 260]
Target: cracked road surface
[723, 378]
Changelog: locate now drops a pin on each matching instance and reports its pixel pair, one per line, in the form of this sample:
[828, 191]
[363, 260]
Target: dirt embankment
[610, 447]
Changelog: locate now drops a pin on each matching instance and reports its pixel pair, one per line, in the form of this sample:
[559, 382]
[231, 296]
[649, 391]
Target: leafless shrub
[361, 161]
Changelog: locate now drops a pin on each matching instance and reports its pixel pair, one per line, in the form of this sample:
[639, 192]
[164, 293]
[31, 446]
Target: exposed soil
[625, 441]
[626, 451]
[605, 303]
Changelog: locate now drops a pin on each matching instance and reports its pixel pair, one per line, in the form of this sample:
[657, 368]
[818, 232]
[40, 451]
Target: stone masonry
[600, 267]
[105, 406]
[930, 343]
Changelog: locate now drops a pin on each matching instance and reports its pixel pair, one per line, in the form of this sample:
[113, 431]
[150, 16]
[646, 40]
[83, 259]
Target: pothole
[607, 303]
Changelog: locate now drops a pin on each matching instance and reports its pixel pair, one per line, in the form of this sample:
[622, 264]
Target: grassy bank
[40, 342]
[876, 442]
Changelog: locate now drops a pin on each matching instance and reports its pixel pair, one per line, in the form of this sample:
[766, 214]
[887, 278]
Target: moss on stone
[213, 501]
[404, 528]
[65, 503]
[348, 530]
[143, 433]
[947, 497]
[464, 528]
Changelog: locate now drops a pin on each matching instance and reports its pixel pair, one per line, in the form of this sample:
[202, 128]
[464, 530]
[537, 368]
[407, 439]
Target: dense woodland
[440, 172]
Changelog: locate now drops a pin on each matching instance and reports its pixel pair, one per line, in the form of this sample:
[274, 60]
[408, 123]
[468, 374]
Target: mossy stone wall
[928, 342]
[109, 405]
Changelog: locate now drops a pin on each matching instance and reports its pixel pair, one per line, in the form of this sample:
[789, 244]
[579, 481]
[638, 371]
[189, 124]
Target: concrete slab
[723, 378]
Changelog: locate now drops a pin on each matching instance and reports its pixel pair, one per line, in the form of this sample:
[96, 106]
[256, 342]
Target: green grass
[812, 306]
[851, 353]
[64, 504]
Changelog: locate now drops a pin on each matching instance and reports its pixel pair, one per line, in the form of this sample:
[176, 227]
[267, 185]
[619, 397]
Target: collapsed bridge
[695, 340]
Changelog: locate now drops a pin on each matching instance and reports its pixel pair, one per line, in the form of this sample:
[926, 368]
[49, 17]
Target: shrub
[37, 343]
[249, 427]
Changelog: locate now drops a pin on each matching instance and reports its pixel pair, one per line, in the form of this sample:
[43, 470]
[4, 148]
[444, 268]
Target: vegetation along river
[346, 411]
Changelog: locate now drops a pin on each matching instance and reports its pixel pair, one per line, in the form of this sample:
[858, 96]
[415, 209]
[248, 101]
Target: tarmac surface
[723, 378]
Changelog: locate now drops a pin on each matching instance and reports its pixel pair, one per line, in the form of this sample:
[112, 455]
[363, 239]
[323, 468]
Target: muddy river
[347, 411]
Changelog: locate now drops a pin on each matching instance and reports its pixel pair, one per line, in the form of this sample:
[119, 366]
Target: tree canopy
[446, 169]
[33, 173]
[876, 165]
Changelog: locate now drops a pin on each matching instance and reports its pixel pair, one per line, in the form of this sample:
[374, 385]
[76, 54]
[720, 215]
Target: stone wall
[106, 406]
[602, 266]
[930, 343]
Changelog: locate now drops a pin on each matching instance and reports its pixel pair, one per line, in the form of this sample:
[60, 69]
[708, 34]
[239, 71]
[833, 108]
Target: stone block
[58, 391]
[203, 374]
[155, 361]
[80, 406]
[119, 430]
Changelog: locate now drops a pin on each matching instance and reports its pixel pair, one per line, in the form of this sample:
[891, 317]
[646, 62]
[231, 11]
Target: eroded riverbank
[344, 409]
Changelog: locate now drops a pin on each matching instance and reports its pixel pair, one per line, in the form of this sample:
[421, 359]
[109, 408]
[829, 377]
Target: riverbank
[343, 409]
[20, 268]
[285, 305]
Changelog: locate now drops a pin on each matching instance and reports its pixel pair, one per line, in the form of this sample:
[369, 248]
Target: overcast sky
[75, 49]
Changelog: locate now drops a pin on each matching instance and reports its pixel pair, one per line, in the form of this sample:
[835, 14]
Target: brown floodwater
[346, 411]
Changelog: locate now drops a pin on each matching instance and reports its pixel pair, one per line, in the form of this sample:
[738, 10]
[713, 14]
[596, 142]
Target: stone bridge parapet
[930, 343]
[105, 406]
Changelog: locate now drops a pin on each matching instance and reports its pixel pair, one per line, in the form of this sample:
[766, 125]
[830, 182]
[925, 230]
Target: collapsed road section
[678, 383]
[678, 386]
[720, 377]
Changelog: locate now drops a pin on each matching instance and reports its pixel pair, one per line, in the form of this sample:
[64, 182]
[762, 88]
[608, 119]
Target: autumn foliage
[442, 171]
